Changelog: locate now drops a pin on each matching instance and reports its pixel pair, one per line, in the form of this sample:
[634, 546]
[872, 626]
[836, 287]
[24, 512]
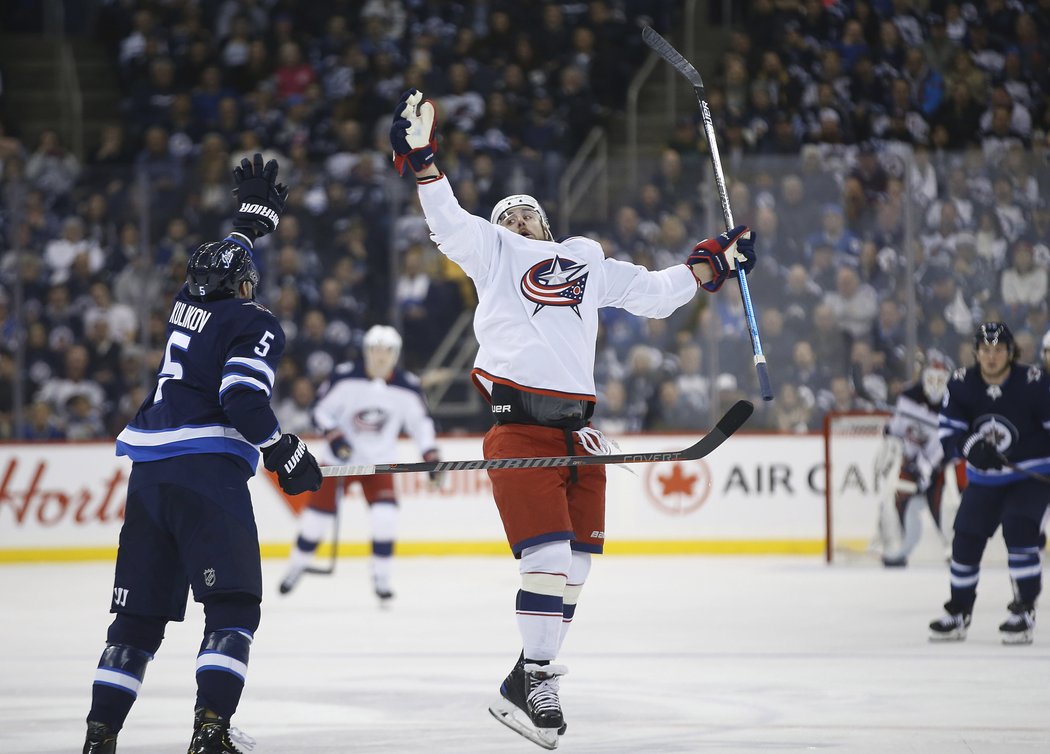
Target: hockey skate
[529, 703]
[951, 626]
[383, 592]
[100, 739]
[1019, 627]
[291, 578]
[213, 735]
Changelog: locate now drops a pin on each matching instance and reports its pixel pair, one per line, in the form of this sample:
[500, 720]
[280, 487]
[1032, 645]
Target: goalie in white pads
[911, 435]
[537, 325]
[362, 412]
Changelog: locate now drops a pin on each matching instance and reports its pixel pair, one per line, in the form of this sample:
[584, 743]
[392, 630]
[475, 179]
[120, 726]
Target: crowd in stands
[879, 148]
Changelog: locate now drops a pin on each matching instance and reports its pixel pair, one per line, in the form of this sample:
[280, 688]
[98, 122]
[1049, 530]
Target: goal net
[860, 486]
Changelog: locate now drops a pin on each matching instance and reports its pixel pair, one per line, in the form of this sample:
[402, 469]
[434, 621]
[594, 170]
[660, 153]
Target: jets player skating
[536, 324]
[362, 411]
[997, 416]
[194, 443]
[913, 431]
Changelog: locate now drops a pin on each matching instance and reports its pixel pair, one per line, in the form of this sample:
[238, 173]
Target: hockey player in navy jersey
[362, 411]
[997, 416]
[194, 443]
[911, 435]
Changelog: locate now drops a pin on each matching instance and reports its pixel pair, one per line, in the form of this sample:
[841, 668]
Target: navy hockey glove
[412, 133]
[724, 253]
[296, 468]
[261, 197]
[339, 445]
[982, 454]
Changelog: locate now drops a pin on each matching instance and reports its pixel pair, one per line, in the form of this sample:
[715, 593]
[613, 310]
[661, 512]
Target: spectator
[60, 253]
[854, 304]
[1023, 284]
[52, 169]
[57, 391]
[295, 412]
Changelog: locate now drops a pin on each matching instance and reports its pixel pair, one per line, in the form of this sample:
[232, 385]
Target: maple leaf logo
[677, 481]
[680, 488]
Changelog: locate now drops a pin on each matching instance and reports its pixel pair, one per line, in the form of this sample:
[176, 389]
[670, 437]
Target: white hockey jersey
[915, 422]
[537, 315]
[371, 415]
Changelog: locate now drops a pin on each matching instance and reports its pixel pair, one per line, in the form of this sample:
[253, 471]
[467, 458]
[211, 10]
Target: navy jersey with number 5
[1014, 415]
[213, 387]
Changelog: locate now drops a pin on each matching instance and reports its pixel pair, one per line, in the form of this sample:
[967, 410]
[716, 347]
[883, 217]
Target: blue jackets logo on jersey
[370, 420]
[555, 282]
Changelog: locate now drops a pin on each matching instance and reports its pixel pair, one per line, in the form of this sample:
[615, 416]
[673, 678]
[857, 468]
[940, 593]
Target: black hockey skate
[100, 739]
[1019, 627]
[213, 735]
[952, 625]
[529, 703]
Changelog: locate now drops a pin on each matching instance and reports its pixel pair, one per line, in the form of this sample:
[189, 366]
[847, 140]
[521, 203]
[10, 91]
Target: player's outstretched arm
[261, 198]
[412, 136]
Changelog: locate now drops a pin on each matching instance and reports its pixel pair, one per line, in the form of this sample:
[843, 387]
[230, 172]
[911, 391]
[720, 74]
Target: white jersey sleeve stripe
[239, 379]
[257, 365]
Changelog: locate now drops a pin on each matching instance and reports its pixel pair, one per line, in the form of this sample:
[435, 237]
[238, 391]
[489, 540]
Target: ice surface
[675, 654]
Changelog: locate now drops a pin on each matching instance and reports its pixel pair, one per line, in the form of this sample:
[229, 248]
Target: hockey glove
[296, 468]
[339, 445]
[982, 454]
[261, 197]
[436, 477]
[725, 253]
[412, 133]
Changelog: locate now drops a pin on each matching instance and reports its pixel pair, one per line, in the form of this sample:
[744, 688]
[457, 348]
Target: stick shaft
[664, 48]
[733, 419]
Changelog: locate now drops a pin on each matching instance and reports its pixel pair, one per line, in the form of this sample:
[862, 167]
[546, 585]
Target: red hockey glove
[724, 253]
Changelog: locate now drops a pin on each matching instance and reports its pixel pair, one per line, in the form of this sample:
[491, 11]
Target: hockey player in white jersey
[537, 326]
[362, 411]
[911, 436]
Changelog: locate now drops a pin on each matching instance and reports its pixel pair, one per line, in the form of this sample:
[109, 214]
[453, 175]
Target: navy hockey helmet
[217, 269]
[993, 333]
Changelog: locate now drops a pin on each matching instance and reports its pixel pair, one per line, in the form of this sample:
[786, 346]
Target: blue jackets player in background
[194, 443]
[997, 416]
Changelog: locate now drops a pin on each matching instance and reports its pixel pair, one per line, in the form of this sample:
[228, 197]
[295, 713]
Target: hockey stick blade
[664, 49]
[733, 419]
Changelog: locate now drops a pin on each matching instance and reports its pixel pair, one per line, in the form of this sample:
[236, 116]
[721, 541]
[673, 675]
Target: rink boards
[758, 493]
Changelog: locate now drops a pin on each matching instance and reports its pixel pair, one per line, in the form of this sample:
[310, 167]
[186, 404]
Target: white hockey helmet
[936, 371]
[382, 347]
[520, 200]
[1046, 344]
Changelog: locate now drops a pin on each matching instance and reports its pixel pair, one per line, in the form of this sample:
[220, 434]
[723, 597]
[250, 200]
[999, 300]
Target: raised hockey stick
[664, 49]
[733, 419]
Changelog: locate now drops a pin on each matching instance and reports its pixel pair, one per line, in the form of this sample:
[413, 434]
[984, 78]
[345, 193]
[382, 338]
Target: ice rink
[672, 654]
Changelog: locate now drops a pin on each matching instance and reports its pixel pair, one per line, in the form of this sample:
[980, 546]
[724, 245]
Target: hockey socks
[222, 665]
[117, 681]
[383, 519]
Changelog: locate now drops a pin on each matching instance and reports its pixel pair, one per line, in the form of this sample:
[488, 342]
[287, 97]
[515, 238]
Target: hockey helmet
[993, 333]
[1046, 344]
[217, 269]
[520, 200]
[382, 347]
[936, 371]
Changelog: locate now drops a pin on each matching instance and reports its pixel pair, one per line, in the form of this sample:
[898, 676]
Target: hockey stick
[1023, 471]
[734, 418]
[664, 49]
